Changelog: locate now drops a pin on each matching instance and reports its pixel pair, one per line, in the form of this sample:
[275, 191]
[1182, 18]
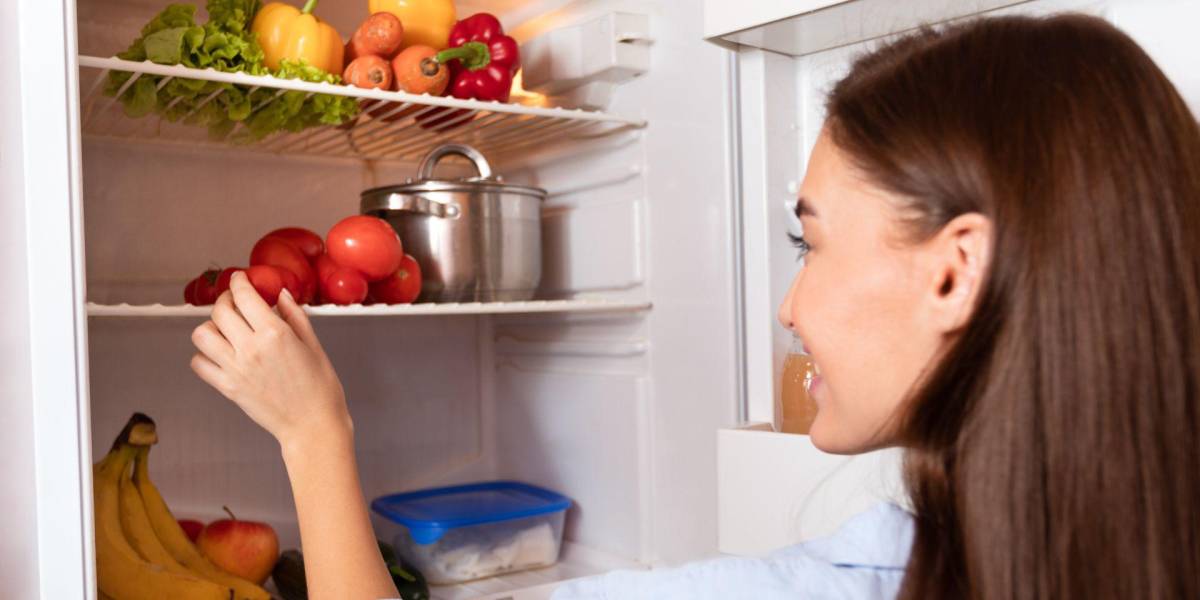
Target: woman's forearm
[341, 557]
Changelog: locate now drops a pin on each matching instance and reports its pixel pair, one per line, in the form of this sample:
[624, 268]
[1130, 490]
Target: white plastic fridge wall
[617, 412]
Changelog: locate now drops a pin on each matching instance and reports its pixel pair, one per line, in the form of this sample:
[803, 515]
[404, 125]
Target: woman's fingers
[256, 311]
[209, 341]
[210, 373]
[229, 321]
[294, 316]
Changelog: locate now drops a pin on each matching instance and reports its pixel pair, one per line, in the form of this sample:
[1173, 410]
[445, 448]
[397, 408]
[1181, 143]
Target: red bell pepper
[482, 59]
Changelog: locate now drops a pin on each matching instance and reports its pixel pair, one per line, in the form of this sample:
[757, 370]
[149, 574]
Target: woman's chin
[831, 439]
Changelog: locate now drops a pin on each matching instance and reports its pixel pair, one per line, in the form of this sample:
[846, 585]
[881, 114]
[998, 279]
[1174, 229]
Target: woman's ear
[959, 256]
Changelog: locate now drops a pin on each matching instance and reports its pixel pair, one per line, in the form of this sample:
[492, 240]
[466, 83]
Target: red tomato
[189, 292]
[366, 244]
[205, 291]
[308, 243]
[323, 266]
[223, 279]
[280, 253]
[401, 287]
[344, 286]
[292, 284]
[267, 281]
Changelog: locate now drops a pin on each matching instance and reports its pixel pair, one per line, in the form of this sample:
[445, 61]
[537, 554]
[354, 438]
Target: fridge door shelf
[381, 310]
[391, 126]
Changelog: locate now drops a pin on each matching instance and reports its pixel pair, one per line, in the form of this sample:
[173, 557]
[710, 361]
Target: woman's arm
[275, 370]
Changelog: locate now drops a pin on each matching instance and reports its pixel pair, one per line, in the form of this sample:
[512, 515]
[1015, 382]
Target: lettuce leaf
[292, 111]
[224, 43]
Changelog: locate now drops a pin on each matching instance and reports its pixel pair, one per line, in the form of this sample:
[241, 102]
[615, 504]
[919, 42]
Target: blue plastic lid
[429, 514]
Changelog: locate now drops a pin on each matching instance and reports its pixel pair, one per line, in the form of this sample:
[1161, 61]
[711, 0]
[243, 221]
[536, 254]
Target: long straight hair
[1054, 449]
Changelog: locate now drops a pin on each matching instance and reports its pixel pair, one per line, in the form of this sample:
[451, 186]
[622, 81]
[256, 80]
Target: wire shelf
[390, 126]
[380, 310]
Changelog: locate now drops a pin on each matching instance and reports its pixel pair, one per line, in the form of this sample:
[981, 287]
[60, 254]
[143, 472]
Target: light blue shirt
[863, 560]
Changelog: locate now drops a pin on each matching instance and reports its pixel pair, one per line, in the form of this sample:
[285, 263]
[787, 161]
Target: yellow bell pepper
[284, 32]
[426, 22]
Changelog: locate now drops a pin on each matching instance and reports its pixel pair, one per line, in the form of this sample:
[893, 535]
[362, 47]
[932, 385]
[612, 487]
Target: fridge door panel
[778, 489]
[54, 286]
[797, 29]
[723, 19]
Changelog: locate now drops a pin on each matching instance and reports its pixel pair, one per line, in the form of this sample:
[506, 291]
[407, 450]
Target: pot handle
[425, 170]
[420, 205]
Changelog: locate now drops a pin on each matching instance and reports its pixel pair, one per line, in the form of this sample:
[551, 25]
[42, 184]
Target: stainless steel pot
[477, 239]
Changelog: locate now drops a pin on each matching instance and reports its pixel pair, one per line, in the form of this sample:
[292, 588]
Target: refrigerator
[671, 137]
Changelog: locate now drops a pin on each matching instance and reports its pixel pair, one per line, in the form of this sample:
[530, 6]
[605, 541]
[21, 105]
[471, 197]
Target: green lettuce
[224, 43]
[295, 111]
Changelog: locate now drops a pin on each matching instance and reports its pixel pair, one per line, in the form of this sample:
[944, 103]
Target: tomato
[205, 292]
[280, 253]
[223, 279]
[401, 287]
[366, 244]
[292, 284]
[323, 267]
[189, 292]
[267, 280]
[308, 243]
[344, 286]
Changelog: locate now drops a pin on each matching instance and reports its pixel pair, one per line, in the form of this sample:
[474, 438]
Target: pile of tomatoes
[360, 261]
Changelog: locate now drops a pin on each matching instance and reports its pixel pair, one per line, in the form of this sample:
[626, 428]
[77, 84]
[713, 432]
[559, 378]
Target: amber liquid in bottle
[797, 408]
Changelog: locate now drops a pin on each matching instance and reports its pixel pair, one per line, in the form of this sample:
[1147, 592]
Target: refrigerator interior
[565, 400]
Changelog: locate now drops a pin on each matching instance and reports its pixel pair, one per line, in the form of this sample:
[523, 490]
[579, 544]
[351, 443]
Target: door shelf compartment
[407, 126]
[380, 310]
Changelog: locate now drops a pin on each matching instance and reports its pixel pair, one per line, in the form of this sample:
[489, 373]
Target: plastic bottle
[797, 409]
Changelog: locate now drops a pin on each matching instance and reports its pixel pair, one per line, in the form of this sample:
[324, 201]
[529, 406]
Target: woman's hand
[272, 366]
[275, 370]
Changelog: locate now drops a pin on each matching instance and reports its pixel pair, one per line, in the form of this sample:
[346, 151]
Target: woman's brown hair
[1054, 449]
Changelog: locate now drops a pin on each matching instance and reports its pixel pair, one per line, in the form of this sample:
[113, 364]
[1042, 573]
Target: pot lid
[484, 181]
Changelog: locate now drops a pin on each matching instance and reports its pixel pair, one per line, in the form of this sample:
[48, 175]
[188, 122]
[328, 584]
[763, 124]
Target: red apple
[192, 528]
[243, 548]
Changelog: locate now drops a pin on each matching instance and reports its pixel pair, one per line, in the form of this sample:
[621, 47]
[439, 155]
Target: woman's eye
[800, 243]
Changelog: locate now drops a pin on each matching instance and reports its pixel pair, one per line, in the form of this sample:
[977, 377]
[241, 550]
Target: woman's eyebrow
[804, 208]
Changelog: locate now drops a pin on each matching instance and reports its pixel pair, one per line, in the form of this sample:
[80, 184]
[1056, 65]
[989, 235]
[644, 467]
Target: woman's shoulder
[864, 559]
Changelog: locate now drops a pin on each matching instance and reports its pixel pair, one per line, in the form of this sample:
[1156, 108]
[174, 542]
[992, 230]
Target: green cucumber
[409, 581]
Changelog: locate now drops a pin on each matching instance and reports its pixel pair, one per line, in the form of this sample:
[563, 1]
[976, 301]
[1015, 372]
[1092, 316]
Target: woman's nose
[785, 309]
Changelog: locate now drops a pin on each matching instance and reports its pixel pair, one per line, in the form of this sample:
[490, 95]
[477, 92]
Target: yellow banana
[140, 532]
[176, 541]
[120, 570]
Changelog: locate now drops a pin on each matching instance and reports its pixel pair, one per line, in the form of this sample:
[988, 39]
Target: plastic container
[467, 532]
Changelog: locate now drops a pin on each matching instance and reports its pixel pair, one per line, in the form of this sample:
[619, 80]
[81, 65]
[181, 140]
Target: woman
[1002, 276]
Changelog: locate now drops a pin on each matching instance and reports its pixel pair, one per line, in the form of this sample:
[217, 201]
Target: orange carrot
[379, 35]
[417, 71]
[369, 72]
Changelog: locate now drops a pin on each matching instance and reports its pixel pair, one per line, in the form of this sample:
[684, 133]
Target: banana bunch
[141, 551]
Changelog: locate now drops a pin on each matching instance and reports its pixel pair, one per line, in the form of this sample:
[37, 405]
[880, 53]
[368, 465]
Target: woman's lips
[815, 388]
